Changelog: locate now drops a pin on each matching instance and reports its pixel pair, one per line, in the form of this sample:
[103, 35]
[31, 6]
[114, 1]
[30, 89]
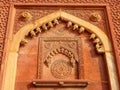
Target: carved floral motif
[61, 69]
[95, 17]
[26, 16]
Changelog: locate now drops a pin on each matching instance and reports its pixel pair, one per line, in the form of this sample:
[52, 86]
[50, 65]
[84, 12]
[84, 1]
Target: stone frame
[12, 52]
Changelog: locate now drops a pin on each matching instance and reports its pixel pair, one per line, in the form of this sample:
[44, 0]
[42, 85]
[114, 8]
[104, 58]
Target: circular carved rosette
[61, 69]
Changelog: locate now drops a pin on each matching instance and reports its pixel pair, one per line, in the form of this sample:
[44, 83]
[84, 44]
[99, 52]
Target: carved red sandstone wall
[27, 59]
[114, 12]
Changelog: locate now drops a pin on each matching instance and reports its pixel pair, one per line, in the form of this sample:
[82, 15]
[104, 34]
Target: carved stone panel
[59, 58]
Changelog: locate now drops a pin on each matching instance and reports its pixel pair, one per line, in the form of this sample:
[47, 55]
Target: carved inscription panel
[59, 58]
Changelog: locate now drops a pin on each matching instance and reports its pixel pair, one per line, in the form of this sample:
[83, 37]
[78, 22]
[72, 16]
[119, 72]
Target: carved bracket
[98, 44]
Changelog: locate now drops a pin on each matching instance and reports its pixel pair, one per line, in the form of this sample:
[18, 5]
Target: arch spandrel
[60, 14]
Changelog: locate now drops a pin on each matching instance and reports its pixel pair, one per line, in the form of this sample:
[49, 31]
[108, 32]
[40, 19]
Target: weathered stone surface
[50, 6]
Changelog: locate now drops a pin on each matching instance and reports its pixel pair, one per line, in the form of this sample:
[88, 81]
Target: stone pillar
[10, 71]
[112, 71]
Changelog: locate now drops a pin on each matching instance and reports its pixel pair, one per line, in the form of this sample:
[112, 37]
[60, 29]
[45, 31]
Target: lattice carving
[3, 26]
[4, 2]
[115, 13]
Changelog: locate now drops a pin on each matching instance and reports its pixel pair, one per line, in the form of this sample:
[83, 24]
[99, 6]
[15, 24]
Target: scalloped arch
[12, 56]
[60, 14]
